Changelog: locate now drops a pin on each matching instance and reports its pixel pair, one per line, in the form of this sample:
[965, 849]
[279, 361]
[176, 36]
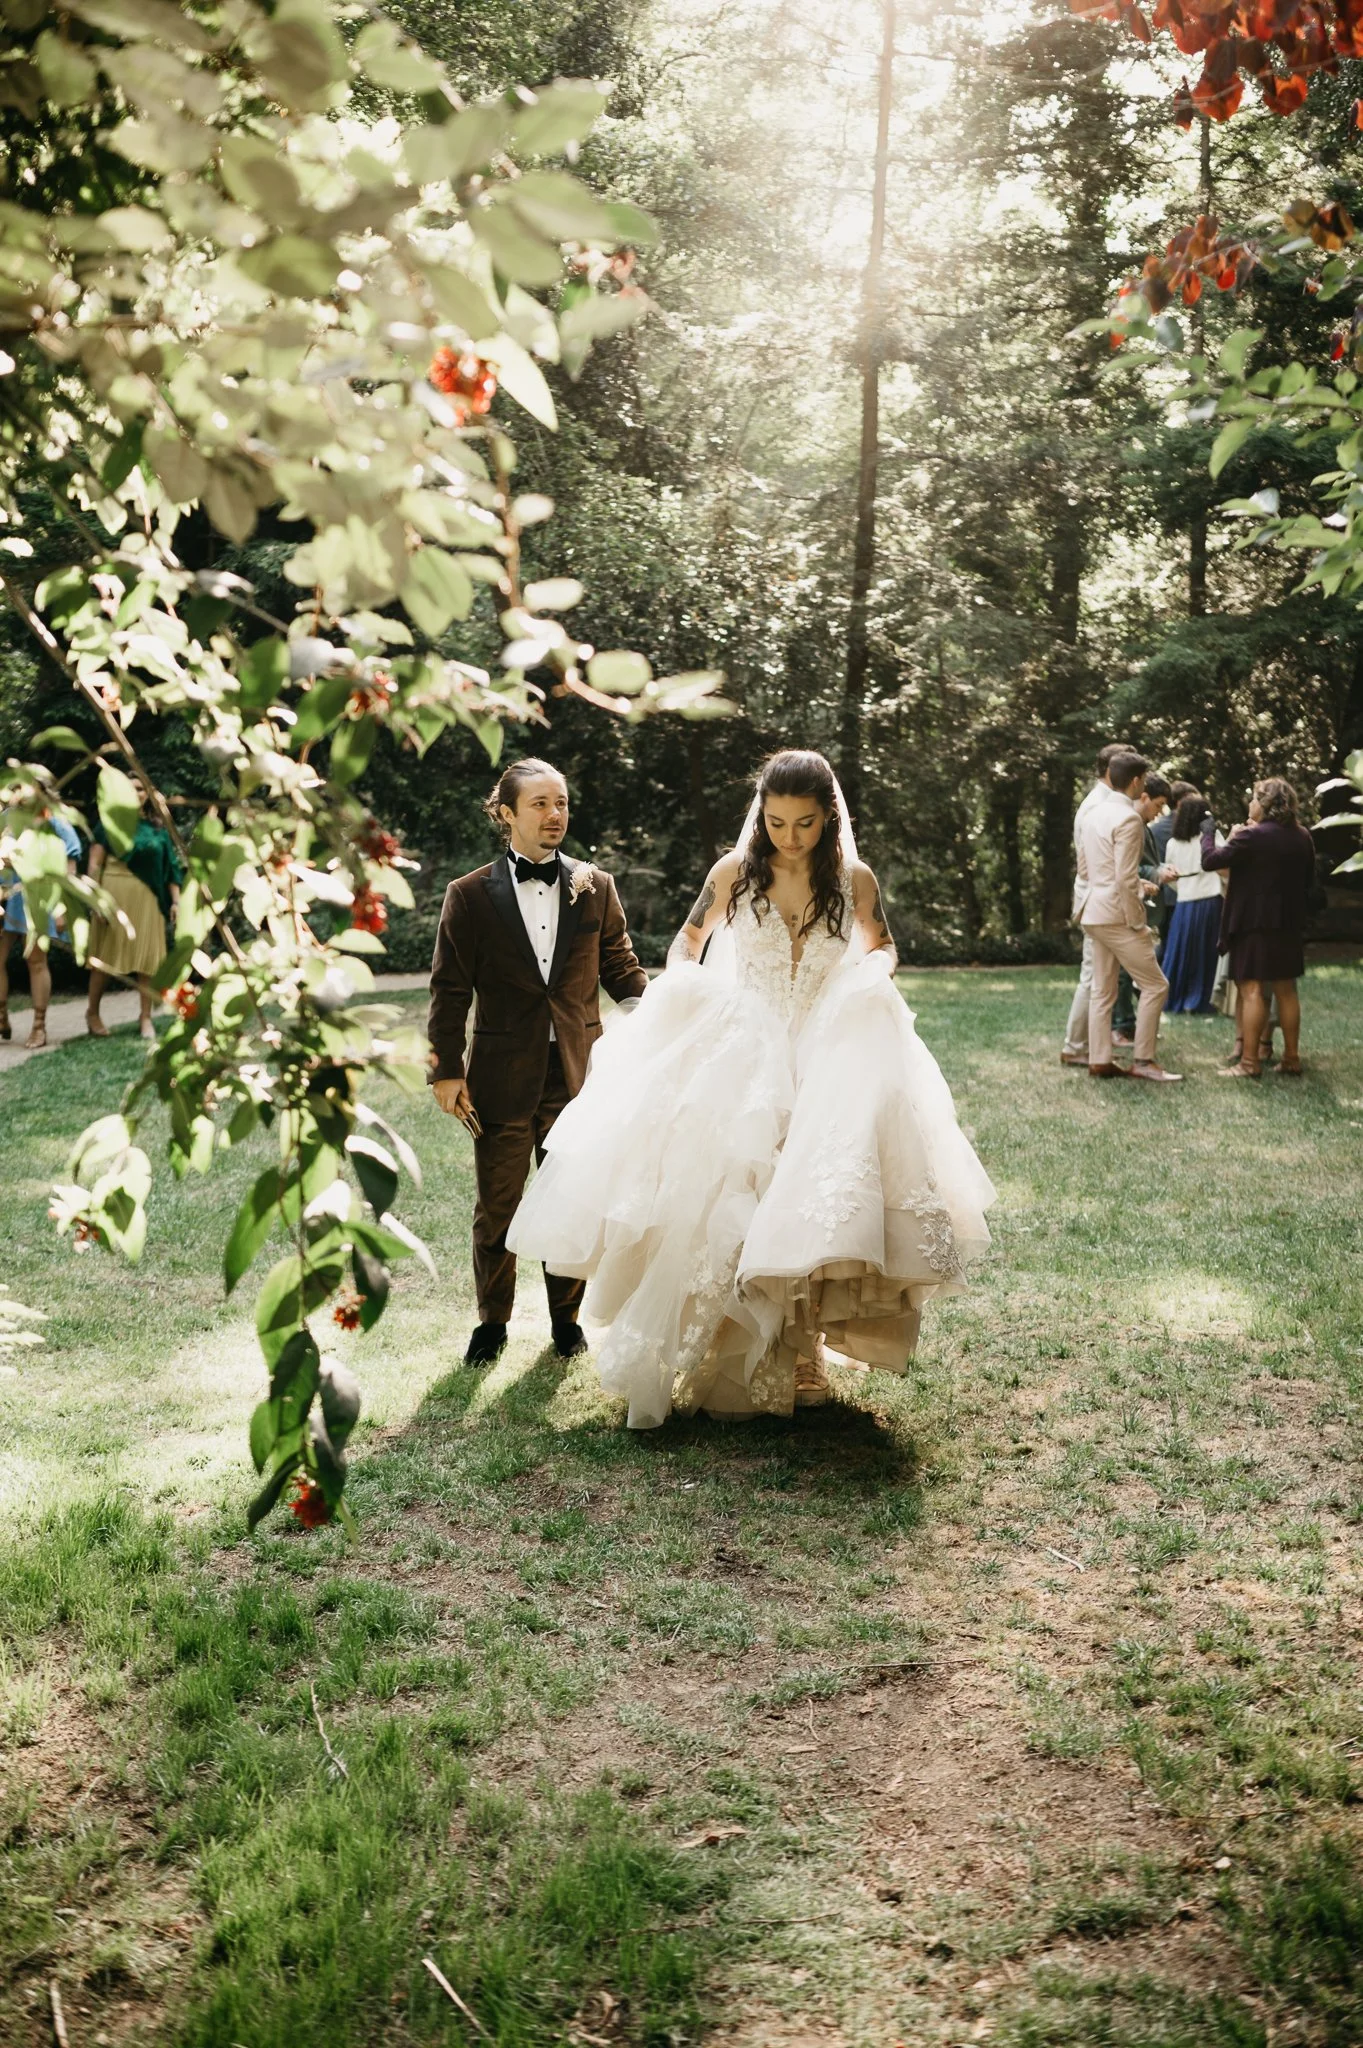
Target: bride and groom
[756, 1160]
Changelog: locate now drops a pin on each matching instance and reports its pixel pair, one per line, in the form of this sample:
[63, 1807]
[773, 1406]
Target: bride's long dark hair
[796, 773]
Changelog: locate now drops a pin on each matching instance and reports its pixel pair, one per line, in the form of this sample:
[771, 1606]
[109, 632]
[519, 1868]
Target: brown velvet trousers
[502, 1164]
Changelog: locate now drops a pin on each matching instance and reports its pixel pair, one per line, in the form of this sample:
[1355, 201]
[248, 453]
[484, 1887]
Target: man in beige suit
[1113, 917]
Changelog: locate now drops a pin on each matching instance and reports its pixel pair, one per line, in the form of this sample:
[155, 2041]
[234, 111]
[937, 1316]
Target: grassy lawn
[1015, 1700]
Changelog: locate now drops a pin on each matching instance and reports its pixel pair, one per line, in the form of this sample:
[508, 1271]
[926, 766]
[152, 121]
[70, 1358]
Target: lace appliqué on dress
[838, 1191]
[938, 1237]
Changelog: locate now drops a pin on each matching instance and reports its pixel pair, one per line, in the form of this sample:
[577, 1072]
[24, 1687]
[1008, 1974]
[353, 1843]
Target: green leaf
[392, 60]
[1235, 351]
[61, 736]
[1231, 437]
[124, 456]
[293, 266]
[351, 745]
[180, 469]
[522, 379]
[592, 319]
[321, 706]
[120, 808]
[69, 76]
[459, 299]
[288, 1454]
[517, 254]
[376, 1171]
[263, 672]
[372, 1284]
[629, 223]
[561, 113]
[466, 142]
[557, 205]
[437, 590]
[619, 673]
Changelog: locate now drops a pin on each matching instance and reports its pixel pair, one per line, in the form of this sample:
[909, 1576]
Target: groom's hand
[453, 1097]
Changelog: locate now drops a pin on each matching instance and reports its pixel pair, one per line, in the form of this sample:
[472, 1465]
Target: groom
[533, 938]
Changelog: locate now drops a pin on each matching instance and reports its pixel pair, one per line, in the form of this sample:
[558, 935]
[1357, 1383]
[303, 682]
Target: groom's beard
[538, 846]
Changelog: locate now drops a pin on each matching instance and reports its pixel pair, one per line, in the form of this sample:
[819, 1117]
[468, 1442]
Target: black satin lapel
[502, 890]
[569, 918]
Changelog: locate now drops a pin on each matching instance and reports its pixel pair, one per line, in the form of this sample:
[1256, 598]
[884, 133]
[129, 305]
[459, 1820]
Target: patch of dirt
[127, 1934]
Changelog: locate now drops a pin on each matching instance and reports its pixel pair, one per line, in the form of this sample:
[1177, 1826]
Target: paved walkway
[66, 1018]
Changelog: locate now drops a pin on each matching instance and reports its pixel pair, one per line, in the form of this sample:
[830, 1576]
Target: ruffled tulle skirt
[734, 1189]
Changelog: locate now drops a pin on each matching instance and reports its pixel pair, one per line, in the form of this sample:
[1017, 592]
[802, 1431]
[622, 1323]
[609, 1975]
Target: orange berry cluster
[467, 381]
[368, 911]
[309, 1504]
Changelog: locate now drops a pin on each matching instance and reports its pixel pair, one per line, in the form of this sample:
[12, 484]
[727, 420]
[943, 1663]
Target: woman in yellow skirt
[145, 885]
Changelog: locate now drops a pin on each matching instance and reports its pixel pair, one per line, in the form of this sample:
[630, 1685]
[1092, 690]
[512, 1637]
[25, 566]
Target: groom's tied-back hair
[796, 773]
[509, 784]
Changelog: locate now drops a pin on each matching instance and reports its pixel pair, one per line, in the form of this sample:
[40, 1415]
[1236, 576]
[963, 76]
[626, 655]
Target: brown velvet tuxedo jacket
[483, 950]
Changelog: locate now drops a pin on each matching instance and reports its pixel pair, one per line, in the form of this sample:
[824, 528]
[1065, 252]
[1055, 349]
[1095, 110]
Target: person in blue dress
[16, 926]
[1192, 944]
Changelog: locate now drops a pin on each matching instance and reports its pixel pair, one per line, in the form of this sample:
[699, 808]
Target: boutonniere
[582, 881]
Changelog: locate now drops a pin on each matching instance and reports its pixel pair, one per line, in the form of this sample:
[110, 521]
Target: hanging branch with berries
[267, 307]
[1278, 46]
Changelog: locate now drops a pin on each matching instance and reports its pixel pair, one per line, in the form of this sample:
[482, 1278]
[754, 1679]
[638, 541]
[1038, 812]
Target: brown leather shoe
[1147, 1070]
[1111, 1072]
[1074, 1059]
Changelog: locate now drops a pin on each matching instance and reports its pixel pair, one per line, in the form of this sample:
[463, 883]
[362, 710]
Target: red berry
[309, 1503]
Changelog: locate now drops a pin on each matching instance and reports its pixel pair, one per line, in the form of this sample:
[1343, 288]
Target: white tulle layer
[732, 1188]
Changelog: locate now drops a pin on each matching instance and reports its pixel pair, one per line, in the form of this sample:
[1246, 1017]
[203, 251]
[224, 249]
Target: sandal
[1291, 1070]
[37, 1037]
[812, 1389]
[95, 1026]
[1241, 1071]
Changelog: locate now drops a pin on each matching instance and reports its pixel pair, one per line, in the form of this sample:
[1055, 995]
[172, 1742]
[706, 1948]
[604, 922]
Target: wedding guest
[145, 885]
[1271, 864]
[1075, 1050]
[16, 926]
[1113, 916]
[1193, 945]
[1162, 831]
[1152, 803]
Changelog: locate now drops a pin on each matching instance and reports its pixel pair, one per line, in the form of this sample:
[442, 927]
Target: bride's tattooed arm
[705, 913]
[870, 914]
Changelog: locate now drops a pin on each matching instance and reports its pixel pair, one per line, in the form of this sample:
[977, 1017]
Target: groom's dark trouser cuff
[502, 1159]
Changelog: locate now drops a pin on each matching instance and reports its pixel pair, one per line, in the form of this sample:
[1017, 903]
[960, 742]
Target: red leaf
[1192, 290]
[1283, 95]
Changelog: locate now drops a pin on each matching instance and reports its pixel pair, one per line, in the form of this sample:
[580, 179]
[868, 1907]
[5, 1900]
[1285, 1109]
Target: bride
[764, 1159]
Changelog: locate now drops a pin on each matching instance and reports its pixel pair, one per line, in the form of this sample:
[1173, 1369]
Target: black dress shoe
[569, 1340]
[487, 1342]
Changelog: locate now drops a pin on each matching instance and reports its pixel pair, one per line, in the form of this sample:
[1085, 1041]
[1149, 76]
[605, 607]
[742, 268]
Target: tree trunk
[700, 801]
[1010, 821]
[1197, 529]
[970, 900]
[1057, 805]
[872, 347]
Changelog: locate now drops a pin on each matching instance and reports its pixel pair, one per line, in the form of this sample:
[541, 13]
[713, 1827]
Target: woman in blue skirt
[1191, 942]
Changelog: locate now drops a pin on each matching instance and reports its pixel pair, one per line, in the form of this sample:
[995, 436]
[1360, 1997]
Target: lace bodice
[764, 955]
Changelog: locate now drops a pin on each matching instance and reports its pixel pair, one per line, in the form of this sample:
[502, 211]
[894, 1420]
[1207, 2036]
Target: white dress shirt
[538, 906]
[1194, 883]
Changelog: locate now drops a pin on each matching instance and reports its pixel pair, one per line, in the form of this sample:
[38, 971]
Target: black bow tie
[529, 871]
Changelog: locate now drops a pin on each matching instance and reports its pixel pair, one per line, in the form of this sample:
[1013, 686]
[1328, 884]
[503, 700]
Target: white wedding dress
[764, 1153]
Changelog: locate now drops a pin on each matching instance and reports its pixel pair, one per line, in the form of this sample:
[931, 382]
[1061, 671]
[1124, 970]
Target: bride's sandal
[812, 1389]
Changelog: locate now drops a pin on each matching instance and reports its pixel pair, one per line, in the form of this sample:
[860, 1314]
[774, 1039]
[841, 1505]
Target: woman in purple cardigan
[1263, 919]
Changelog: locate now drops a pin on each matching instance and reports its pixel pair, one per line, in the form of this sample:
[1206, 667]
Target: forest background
[1050, 568]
